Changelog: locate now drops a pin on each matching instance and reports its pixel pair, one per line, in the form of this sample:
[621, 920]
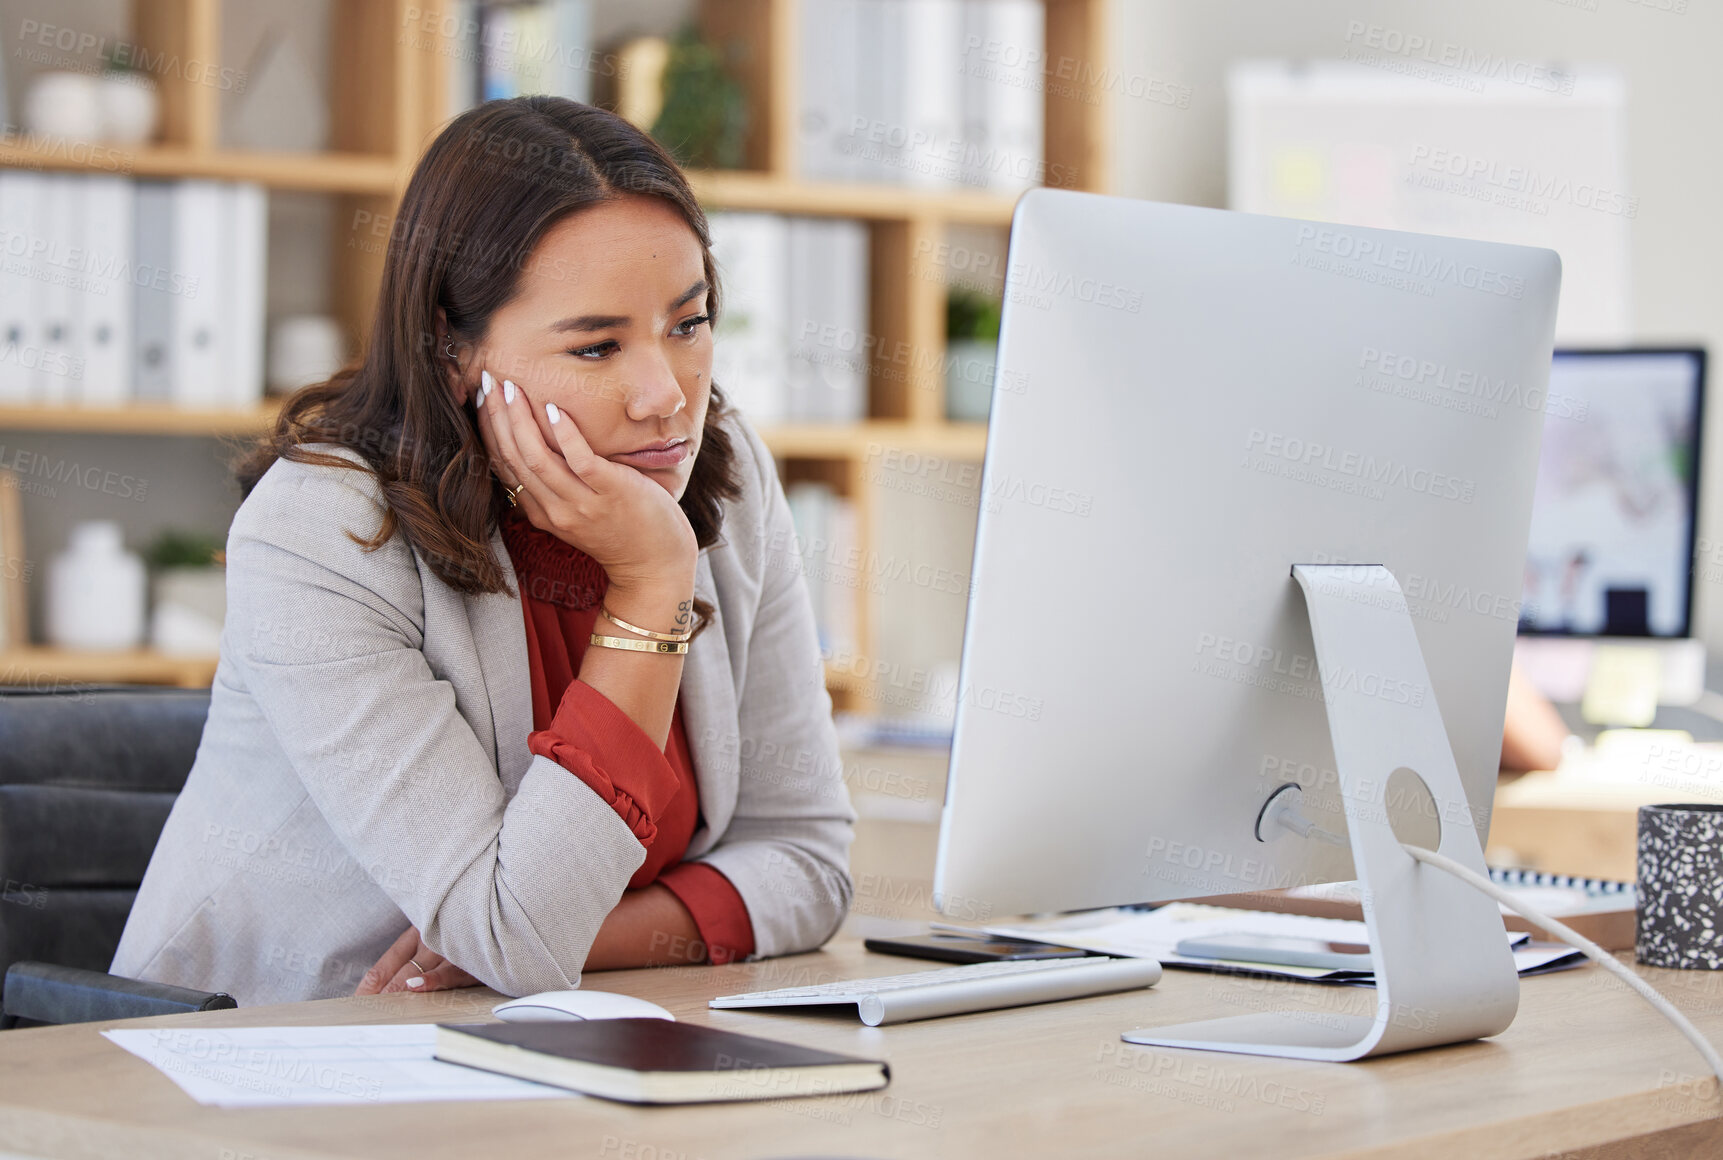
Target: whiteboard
[1531, 156]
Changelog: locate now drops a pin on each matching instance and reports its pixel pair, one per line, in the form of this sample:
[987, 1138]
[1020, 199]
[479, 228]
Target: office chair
[87, 777]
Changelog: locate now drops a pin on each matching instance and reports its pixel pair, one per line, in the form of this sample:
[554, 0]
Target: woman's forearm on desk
[643, 685]
[648, 928]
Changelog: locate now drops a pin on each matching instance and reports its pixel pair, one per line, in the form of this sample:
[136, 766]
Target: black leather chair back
[87, 777]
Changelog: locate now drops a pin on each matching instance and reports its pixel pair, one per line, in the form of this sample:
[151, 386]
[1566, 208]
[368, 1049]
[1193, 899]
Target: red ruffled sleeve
[602, 746]
[719, 913]
[653, 791]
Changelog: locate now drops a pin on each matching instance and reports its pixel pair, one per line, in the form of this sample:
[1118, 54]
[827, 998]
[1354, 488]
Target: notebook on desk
[651, 1061]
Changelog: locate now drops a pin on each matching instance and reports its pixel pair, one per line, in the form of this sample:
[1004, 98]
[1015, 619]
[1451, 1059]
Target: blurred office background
[860, 158]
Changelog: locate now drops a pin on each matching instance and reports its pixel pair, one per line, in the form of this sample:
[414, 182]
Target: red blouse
[582, 730]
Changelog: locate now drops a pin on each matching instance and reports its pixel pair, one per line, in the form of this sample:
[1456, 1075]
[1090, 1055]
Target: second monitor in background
[1615, 522]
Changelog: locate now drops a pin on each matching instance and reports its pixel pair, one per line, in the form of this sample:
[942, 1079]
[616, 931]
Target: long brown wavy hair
[489, 187]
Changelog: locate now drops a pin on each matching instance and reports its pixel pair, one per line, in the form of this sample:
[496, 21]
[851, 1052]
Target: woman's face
[609, 322]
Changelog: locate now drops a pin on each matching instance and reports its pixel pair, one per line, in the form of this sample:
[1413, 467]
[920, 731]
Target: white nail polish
[552, 413]
[485, 382]
[508, 391]
[416, 982]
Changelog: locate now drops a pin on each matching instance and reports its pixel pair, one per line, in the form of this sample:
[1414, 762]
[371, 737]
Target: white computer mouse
[550, 1006]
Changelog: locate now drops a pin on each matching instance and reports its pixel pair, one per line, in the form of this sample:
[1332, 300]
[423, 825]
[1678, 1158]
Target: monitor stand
[1444, 970]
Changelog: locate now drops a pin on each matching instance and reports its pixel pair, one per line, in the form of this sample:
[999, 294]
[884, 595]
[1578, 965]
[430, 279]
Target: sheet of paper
[1154, 934]
[1536, 958]
[291, 1066]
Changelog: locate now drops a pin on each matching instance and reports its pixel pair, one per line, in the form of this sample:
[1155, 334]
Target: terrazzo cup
[1681, 887]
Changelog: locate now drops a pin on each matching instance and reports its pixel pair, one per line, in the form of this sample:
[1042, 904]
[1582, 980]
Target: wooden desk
[1586, 1070]
[1572, 825]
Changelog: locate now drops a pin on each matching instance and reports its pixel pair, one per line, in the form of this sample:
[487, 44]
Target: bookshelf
[387, 85]
[40, 667]
[140, 419]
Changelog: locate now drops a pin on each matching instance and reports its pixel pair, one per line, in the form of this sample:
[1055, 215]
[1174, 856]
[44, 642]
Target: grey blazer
[365, 763]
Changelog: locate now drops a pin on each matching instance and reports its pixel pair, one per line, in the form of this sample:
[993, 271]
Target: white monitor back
[1199, 400]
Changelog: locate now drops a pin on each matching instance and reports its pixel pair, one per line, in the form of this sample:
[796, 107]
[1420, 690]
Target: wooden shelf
[40, 667]
[742, 190]
[801, 441]
[141, 419]
[325, 172]
[362, 173]
[857, 441]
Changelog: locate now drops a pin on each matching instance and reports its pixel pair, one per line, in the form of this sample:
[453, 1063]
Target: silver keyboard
[849, 988]
[962, 989]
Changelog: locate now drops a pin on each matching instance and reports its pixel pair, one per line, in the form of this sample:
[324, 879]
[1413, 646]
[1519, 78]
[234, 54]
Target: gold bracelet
[645, 632]
[648, 646]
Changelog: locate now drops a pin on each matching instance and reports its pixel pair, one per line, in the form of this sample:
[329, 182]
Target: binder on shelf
[244, 253]
[843, 583]
[750, 360]
[808, 502]
[571, 25]
[932, 99]
[58, 367]
[1003, 95]
[830, 85]
[461, 78]
[22, 208]
[826, 540]
[930, 93]
[105, 307]
[199, 365]
[828, 301]
[535, 46]
[878, 135]
[154, 299]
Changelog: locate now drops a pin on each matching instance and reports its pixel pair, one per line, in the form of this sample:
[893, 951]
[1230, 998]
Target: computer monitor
[1200, 401]
[1615, 519]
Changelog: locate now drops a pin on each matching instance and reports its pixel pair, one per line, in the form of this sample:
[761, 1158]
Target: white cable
[1574, 939]
[1283, 811]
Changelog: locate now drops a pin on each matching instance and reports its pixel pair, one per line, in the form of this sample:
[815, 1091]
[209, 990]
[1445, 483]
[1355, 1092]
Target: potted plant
[190, 585]
[704, 118]
[971, 352]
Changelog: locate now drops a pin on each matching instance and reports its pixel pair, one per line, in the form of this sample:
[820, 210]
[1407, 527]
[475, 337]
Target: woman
[460, 732]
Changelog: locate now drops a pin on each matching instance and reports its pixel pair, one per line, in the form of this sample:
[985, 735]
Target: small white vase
[65, 104]
[95, 595]
[129, 107]
[303, 349]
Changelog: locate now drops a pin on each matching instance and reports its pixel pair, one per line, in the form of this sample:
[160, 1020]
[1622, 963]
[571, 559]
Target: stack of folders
[825, 552]
[792, 343]
[114, 290]
[931, 93]
[654, 1061]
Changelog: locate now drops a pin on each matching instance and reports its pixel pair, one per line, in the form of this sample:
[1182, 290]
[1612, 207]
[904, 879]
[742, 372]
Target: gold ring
[514, 491]
[415, 963]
